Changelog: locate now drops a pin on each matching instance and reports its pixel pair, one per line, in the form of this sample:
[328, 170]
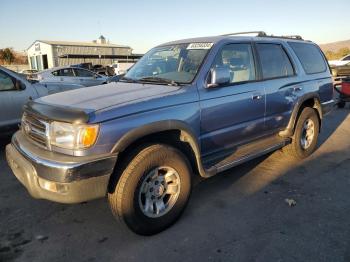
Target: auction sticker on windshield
[200, 46]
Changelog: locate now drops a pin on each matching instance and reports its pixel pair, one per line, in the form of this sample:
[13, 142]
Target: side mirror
[219, 76]
[19, 85]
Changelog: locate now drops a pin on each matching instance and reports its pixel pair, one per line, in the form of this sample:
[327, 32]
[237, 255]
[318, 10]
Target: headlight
[73, 136]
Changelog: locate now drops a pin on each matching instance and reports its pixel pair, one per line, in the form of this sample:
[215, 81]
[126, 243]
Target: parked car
[194, 106]
[341, 70]
[29, 74]
[121, 68]
[29, 71]
[15, 91]
[115, 78]
[99, 69]
[84, 65]
[73, 75]
[342, 61]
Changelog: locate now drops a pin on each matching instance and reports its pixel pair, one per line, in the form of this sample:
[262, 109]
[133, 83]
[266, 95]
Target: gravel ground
[239, 215]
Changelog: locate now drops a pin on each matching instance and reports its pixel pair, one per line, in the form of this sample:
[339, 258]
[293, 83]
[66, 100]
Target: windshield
[174, 63]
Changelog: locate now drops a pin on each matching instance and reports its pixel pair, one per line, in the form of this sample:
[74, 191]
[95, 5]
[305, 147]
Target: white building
[44, 54]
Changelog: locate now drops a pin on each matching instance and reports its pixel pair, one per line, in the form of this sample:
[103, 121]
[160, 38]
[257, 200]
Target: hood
[103, 97]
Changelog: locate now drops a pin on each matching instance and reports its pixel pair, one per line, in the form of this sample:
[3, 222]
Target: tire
[341, 104]
[300, 147]
[132, 198]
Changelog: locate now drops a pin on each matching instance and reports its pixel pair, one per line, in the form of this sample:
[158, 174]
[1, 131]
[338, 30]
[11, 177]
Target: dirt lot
[240, 215]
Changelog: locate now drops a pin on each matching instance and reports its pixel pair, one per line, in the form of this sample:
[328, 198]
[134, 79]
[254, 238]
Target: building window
[32, 62]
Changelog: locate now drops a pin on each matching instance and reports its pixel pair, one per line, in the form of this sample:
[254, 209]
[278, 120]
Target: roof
[216, 39]
[80, 44]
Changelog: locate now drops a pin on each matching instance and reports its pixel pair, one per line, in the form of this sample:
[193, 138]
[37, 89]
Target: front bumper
[56, 177]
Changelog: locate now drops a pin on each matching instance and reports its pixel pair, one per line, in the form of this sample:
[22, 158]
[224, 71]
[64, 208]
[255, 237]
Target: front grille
[35, 129]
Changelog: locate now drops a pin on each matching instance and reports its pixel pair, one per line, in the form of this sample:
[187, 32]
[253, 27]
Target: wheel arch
[174, 133]
[312, 101]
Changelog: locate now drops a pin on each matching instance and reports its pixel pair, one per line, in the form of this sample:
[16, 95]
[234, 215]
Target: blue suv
[194, 106]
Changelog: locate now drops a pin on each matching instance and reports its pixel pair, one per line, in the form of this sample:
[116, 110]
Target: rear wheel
[304, 140]
[153, 190]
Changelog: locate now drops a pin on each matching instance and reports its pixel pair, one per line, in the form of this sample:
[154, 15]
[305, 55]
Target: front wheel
[153, 190]
[304, 141]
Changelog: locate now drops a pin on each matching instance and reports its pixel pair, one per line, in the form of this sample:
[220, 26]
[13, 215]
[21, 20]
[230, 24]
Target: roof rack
[258, 33]
[263, 34]
[292, 37]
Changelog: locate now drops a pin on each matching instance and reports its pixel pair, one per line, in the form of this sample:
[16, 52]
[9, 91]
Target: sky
[144, 24]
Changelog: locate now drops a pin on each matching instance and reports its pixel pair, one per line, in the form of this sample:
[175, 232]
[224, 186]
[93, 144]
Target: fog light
[53, 186]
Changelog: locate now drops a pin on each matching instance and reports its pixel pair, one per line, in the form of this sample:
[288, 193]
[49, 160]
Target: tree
[344, 51]
[331, 55]
[7, 55]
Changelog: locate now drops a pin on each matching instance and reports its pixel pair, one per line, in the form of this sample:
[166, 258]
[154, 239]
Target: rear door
[86, 77]
[232, 114]
[280, 83]
[66, 75]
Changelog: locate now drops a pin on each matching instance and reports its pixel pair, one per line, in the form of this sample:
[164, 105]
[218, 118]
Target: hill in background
[335, 46]
[336, 50]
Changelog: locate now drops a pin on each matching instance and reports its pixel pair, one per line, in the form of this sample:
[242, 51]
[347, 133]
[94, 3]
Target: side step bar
[237, 159]
[223, 167]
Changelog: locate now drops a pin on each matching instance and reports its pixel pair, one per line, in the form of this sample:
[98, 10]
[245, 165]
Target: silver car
[73, 75]
[16, 90]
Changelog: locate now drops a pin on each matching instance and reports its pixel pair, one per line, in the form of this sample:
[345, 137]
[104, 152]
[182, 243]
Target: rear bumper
[76, 181]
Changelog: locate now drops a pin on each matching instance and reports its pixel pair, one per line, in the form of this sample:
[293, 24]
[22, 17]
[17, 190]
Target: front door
[232, 114]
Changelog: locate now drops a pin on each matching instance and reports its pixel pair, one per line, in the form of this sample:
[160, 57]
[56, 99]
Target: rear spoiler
[57, 113]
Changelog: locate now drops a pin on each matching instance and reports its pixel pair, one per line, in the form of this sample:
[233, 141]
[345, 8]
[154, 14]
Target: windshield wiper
[129, 80]
[156, 79]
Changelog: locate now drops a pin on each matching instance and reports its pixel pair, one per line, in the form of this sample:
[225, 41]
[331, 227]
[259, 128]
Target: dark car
[188, 107]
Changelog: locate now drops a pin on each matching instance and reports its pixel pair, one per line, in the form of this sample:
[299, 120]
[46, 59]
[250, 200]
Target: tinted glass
[238, 58]
[310, 57]
[83, 73]
[347, 58]
[5, 82]
[274, 61]
[64, 72]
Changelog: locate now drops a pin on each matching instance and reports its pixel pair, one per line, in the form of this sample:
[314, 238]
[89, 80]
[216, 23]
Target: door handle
[297, 89]
[257, 96]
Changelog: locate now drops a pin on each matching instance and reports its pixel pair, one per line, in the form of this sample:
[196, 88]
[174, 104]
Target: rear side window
[347, 58]
[83, 73]
[310, 57]
[64, 72]
[275, 62]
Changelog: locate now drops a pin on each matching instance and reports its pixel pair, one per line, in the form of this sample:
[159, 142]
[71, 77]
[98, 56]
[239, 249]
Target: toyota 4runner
[194, 106]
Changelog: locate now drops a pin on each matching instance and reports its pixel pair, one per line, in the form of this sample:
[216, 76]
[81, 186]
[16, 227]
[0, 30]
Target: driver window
[238, 58]
[6, 82]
